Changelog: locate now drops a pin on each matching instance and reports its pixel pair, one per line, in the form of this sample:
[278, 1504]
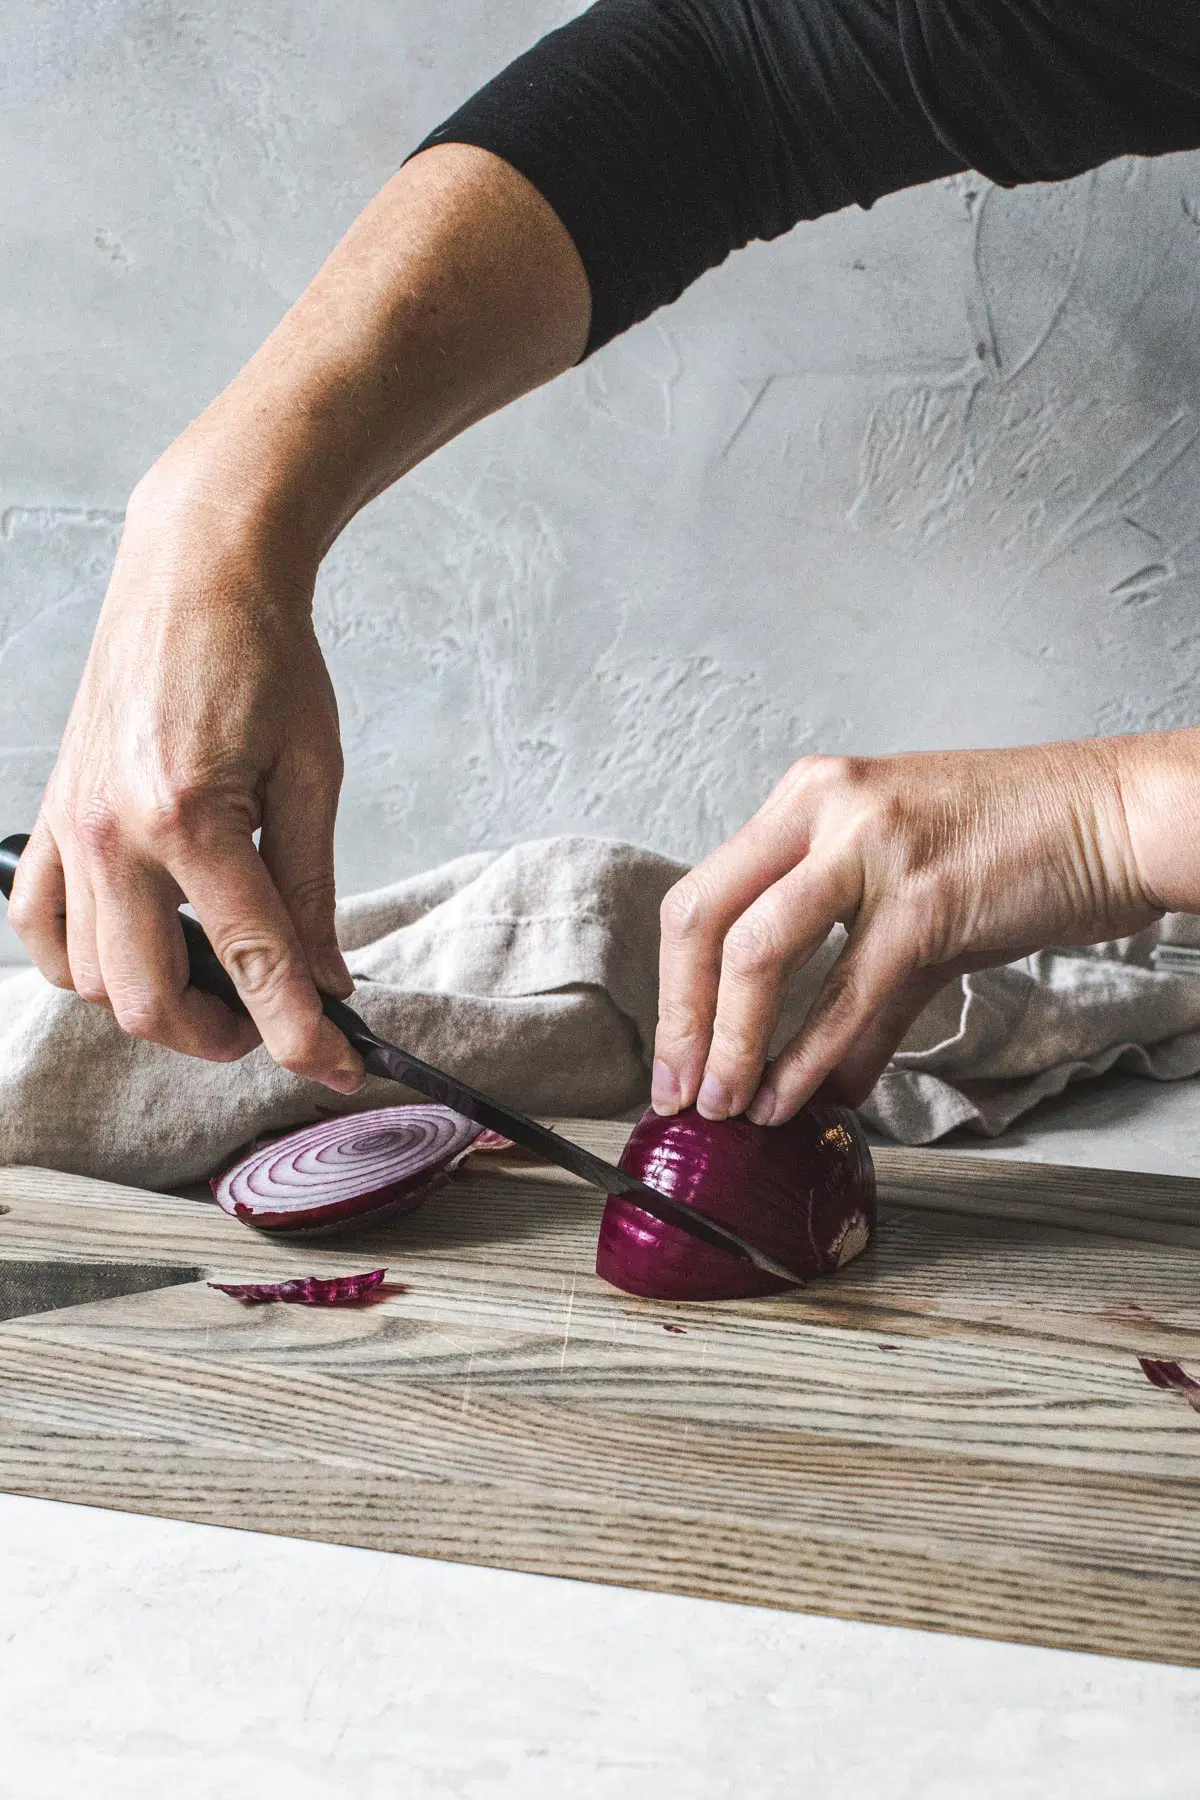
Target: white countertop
[142, 1658]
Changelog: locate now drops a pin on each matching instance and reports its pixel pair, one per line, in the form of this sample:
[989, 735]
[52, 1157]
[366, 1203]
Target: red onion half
[804, 1192]
[344, 1168]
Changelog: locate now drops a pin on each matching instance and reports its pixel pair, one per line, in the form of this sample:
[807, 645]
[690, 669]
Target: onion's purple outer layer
[803, 1192]
[344, 1168]
[1164, 1372]
[492, 1140]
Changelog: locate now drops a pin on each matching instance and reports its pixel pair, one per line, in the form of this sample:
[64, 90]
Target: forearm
[201, 757]
[1159, 775]
[456, 291]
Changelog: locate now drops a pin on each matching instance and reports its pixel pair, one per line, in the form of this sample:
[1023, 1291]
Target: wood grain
[953, 1432]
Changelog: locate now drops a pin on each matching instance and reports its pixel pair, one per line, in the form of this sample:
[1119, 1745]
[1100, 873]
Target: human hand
[935, 863]
[205, 714]
[206, 711]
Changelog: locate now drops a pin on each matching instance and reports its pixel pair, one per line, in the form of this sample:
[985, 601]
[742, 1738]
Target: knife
[206, 971]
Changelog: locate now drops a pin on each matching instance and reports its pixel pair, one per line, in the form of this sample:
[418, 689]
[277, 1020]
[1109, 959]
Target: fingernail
[664, 1089]
[347, 1081]
[761, 1109]
[712, 1102]
[332, 976]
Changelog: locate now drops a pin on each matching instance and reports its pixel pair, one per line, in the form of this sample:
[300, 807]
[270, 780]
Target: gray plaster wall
[921, 477]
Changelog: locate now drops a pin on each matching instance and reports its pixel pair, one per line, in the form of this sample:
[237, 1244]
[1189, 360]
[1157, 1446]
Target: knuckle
[841, 785]
[863, 827]
[311, 896]
[89, 985]
[684, 912]
[752, 948]
[172, 817]
[143, 1016]
[196, 807]
[677, 1023]
[856, 774]
[820, 773]
[257, 966]
[299, 1052]
[97, 831]
[734, 1047]
[24, 913]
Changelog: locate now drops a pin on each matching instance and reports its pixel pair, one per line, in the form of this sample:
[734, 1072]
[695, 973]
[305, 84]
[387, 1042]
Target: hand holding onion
[936, 864]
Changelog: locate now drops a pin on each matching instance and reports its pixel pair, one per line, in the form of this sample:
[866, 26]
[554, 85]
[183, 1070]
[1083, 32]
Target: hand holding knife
[394, 1064]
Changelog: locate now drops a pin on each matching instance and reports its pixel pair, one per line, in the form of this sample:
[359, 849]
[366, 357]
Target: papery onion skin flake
[345, 1168]
[492, 1140]
[803, 1192]
[1165, 1372]
[306, 1290]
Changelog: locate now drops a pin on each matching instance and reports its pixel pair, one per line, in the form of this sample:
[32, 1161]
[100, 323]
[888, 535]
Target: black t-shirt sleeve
[666, 133]
[1039, 90]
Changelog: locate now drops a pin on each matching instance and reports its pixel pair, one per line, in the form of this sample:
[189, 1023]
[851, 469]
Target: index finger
[696, 915]
[37, 907]
[249, 928]
[144, 963]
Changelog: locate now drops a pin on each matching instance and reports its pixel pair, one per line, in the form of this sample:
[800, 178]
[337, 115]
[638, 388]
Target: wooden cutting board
[953, 1432]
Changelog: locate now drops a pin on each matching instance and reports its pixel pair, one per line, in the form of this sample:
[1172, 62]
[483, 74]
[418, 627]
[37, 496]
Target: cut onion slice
[306, 1290]
[345, 1168]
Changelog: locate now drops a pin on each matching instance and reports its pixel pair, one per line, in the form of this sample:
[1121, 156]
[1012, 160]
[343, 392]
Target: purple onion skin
[388, 1200]
[804, 1192]
[391, 1201]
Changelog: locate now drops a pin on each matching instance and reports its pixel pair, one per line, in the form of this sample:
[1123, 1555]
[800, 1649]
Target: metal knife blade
[394, 1064]
[382, 1058]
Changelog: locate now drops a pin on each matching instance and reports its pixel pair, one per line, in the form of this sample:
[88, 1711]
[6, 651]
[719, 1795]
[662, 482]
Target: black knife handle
[10, 856]
[205, 969]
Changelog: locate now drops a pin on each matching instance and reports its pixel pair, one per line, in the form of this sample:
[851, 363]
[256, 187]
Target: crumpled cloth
[531, 972]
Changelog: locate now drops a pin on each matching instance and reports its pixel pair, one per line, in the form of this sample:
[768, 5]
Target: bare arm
[205, 711]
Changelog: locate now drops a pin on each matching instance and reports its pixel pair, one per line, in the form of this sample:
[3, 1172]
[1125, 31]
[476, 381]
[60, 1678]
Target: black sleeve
[666, 133]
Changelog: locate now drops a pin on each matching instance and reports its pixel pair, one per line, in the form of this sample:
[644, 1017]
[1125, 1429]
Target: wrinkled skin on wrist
[935, 863]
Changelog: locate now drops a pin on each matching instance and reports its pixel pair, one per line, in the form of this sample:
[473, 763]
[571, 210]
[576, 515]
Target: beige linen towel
[532, 972]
